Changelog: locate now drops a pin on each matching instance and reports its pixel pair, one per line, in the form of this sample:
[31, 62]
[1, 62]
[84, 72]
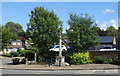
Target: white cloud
[108, 11]
[103, 27]
[54, 10]
[111, 22]
[97, 21]
[65, 9]
[67, 28]
[114, 23]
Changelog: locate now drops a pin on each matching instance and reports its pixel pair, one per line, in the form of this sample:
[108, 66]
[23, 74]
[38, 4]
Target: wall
[109, 54]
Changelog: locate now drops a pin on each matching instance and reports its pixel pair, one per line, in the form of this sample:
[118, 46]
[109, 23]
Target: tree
[102, 32]
[6, 36]
[111, 31]
[15, 28]
[95, 28]
[43, 29]
[118, 36]
[80, 32]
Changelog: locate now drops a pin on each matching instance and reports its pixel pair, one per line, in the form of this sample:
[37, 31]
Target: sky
[104, 13]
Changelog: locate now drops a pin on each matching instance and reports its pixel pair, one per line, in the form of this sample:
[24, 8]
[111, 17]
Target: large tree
[111, 31]
[15, 28]
[5, 36]
[118, 35]
[43, 29]
[81, 32]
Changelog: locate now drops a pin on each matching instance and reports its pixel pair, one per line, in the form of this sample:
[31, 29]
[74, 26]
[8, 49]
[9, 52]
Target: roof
[15, 46]
[21, 38]
[16, 41]
[106, 39]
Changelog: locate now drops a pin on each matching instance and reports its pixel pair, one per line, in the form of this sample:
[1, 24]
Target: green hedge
[102, 60]
[22, 52]
[15, 54]
[79, 58]
[7, 54]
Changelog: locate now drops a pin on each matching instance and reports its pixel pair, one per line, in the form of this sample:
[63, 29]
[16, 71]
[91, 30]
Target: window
[57, 47]
[13, 43]
[18, 43]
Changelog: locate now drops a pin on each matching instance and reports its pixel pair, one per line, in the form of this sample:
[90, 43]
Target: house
[14, 45]
[21, 38]
[105, 41]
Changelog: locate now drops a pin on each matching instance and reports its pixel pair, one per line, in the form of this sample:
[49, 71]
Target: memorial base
[60, 61]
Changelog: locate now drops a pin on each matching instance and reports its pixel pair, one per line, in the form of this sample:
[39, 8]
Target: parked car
[108, 48]
[57, 47]
[70, 48]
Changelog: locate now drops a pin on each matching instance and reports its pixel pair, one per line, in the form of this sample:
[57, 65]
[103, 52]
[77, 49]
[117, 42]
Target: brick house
[14, 45]
[106, 41]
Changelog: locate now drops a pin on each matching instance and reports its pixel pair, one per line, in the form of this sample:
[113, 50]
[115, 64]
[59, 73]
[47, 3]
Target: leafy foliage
[80, 32]
[15, 29]
[111, 31]
[15, 54]
[43, 29]
[79, 58]
[5, 37]
[22, 52]
[102, 60]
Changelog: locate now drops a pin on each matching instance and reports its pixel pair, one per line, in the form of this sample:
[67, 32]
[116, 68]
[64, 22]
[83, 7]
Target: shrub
[41, 59]
[80, 58]
[22, 52]
[7, 54]
[102, 60]
[18, 50]
[15, 54]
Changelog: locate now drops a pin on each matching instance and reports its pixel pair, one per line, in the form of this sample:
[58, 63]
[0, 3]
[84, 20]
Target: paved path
[7, 64]
[4, 71]
[7, 67]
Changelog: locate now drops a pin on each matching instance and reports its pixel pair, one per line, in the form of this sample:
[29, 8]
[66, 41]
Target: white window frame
[14, 43]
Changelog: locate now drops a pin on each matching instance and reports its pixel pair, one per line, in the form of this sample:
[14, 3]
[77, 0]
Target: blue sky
[105, 13]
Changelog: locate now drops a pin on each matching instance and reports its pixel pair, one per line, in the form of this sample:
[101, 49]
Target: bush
[18, 50]
[102, 60]
[41, 60]
[15, 54]
[79, 58]
[22, 52]
[7, 54]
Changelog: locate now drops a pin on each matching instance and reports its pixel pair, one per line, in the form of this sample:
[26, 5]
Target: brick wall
[109, 54]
